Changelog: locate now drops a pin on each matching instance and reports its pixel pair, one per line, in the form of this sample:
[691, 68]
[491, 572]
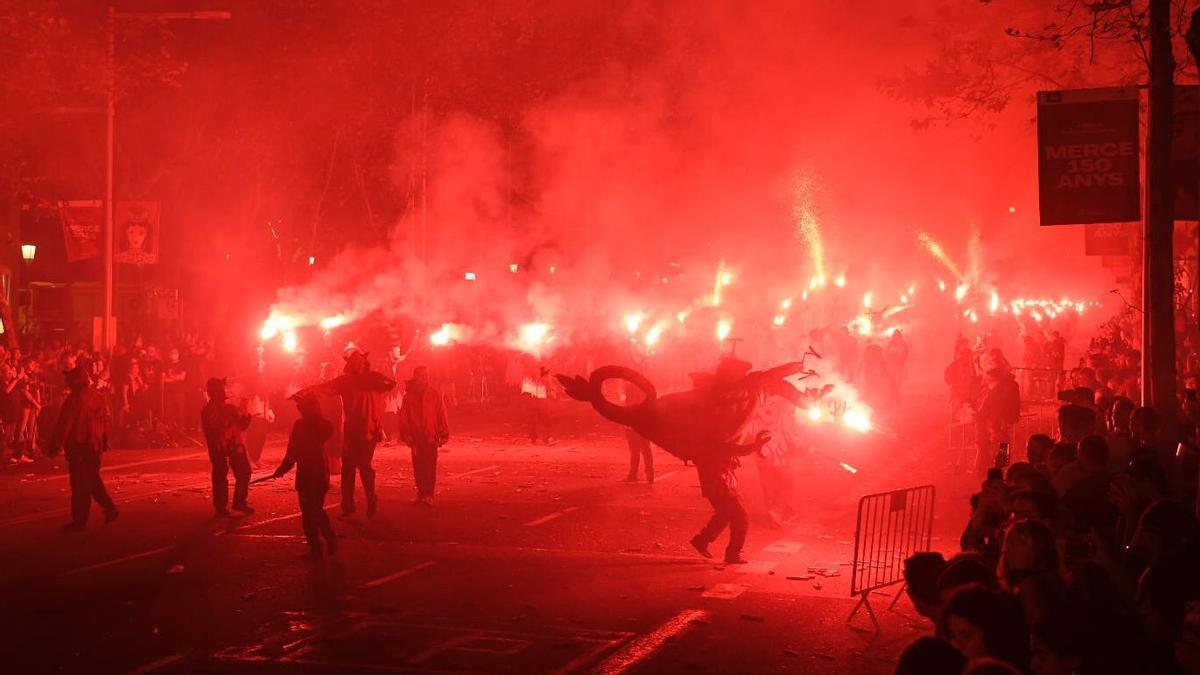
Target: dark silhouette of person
[306, 452]
[361, 390]
[82, 431]
[223, 425]
[424, 428]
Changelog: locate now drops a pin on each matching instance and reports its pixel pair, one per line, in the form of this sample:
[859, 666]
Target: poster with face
[137, 232]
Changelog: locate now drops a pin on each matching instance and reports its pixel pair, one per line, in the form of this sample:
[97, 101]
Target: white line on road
[547, 518]
[120, 499]
[643, 647]
[256, 523]
[155, 665]
[106, 469]
[469, 473]
[659, 479]
[118, 561]
[402, 573]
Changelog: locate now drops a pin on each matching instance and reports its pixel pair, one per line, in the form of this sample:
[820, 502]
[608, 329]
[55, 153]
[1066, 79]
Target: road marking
[472, 472]
[724, 591]
[106, 469]
[402, 573]
[547, 518]
[643, 647]
[256, 523]
[520, 550]
[121, 500]
[155, 665]
[117, 561]
[659, 479]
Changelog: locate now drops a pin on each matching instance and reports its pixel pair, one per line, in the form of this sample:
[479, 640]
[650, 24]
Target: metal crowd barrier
[1036, 418]
[891, 527]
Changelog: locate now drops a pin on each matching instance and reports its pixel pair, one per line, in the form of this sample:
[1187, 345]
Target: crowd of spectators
[155, 391]
[1083, 557]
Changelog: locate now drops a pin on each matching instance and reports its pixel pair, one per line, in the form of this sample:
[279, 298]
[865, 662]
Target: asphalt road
[535, 559]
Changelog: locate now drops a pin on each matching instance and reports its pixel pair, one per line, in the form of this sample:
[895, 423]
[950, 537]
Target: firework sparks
[444, 335]
[331, 322]
[807, 218]
[960, 291]
[724, 328]
[532, 337]
[633, 321]
[653, 335]
[935, 249]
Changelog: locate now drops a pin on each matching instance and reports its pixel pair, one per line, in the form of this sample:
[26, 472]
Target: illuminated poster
[82, 223]
[1088, 148]
[137, 232]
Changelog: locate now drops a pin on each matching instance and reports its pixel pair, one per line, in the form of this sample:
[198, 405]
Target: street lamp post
[110, 114]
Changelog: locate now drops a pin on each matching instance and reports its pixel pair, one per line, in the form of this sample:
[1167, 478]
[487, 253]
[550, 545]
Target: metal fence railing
[962, 442]
[891, 527]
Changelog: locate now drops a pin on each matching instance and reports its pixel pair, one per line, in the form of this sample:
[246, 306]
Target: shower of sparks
[807, 218]
[974, 253]
[653, 334]
[724, 328]
[935, 249]
[723, 279]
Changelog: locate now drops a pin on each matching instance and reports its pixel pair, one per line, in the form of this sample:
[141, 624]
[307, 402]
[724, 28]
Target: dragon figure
[705, 422]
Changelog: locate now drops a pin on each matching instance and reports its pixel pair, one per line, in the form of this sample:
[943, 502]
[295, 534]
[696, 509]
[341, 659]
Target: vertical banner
[1185, 151]
[1088, 150]
[1108, 239]
[137, 232]
[82, 223]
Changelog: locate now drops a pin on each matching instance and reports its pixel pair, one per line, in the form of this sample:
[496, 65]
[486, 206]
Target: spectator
[1086, 499]
[1169, 537]
[1037, 451]
[1029, 567]
[1075, 422]
[1038, 505]
[1144, 426]
[1120, 442]
[921, 574]
[1062, 455]
[981, 622]
[930, 656]
[962, 570]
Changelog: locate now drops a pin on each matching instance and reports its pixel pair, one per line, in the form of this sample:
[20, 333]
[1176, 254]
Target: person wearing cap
[361, 390]
[82, 430]
[223, 425]
[306, 452]
[424, 428]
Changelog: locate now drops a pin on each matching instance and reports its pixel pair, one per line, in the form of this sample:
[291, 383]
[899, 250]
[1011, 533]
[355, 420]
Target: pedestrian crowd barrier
[891, 527]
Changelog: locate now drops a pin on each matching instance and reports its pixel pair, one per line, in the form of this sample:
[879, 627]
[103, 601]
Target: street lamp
[28, 251]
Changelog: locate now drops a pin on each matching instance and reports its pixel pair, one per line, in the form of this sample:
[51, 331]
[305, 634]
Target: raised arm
[328, 388]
